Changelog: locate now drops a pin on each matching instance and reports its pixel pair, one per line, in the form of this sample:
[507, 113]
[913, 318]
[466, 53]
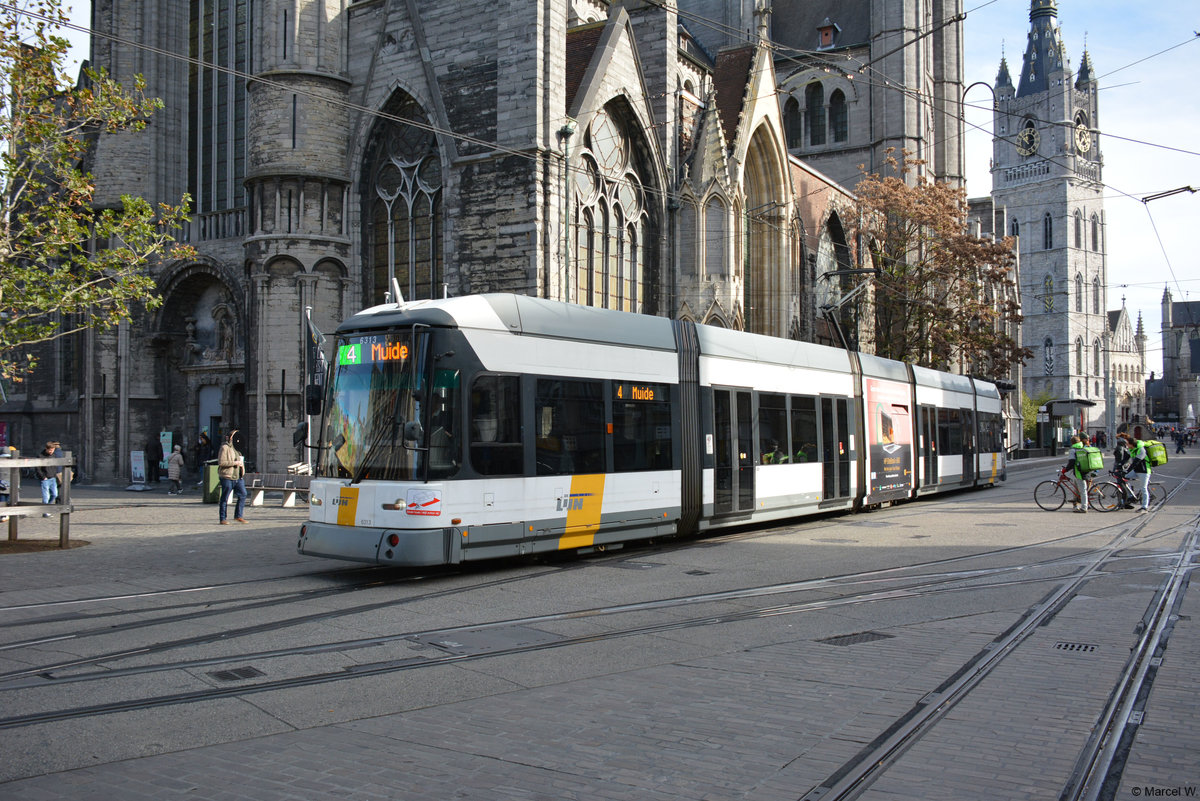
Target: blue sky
[1149, 116]
[1149, 122]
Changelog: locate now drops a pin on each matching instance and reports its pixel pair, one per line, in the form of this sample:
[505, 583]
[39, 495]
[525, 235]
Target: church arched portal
[200, 350]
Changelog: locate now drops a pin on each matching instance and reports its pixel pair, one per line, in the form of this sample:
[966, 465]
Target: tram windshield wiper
[368, 458]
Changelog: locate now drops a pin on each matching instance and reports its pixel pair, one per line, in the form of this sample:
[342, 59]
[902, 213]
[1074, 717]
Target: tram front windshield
[373, 423]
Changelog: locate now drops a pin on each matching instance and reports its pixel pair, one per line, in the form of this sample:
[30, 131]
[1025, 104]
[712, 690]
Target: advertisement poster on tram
[889, 439]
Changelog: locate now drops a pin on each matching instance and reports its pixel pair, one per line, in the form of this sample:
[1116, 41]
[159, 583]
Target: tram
[499, 425]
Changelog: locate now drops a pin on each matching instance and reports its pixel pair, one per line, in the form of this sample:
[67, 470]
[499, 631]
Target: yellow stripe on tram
[584, 505]
[347, 509]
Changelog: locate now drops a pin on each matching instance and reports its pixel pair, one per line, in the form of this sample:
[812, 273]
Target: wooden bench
[290, 484]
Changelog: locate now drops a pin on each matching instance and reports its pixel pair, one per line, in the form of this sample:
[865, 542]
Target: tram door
[733, 434]
[836, 450]
[968, 445]
[929, 451]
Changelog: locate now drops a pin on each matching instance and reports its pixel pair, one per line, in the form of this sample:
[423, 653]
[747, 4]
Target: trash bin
[212, 482]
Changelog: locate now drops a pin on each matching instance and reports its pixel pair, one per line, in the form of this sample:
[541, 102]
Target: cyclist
[1083, 478]
[1141, 469]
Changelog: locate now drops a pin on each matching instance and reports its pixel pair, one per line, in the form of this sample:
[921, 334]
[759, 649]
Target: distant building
[1047, 186]
[1126, 368]
[1176, 394]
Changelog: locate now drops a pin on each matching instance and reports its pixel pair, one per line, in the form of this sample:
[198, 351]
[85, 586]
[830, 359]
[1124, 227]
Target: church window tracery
[839, 118]
[611, 219]
[814, 116]
[793, 123]
[403, 205]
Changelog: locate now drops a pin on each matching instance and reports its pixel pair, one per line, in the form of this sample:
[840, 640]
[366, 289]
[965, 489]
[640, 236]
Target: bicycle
[1120, 493]
[1051, 495]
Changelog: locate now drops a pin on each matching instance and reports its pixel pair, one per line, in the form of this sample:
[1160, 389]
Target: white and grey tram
[499, 425]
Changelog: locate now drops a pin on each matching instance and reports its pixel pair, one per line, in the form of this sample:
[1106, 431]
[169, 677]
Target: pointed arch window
[1078, 229]
[1096, 357]
[716, 238]
[1096, 295]
[1096, 233]
[1078, 292]
[403, 206]
[839, 118]
[612, 219]
[1014, 228]
[1048, 293]
[793, 123]
[814, 114]
[1047, 232]
[1079, 365]
[1048, 356]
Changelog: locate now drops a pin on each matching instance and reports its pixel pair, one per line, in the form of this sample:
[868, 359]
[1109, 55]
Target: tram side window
[991, 427]
[496, 448]
[950, 442]
[772, 429]
[569, 418]
[804, 429]
[642, 434]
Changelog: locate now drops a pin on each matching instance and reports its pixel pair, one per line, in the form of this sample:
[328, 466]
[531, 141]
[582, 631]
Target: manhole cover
[855, 639]
[237, 674]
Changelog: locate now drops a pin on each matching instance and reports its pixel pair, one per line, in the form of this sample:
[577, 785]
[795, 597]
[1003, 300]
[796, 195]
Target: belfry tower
[1046, 180]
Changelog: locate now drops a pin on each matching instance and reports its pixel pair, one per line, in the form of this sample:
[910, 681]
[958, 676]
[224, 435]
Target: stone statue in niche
[225, 348]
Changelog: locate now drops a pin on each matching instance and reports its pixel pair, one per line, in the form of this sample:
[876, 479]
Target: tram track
[215, 608]
[1097, 768]
[926, 585]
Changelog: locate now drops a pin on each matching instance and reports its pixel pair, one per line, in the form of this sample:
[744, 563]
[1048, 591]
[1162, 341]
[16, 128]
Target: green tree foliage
[1029, 411]
[53, 281]
[942, 298]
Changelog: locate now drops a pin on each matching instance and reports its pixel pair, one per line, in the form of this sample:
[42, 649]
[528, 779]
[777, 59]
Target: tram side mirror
[300, 434]
[413, 431]
[313, 398]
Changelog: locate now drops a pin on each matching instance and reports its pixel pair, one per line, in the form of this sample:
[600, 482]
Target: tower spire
[1042, 54]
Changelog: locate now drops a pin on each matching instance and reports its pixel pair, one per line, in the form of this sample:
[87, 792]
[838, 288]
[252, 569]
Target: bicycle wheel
[1158, 494]
[1105, 496]
[1049, 495]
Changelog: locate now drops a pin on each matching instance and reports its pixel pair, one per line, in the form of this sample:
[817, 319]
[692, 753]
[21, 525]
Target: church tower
[1046, 173]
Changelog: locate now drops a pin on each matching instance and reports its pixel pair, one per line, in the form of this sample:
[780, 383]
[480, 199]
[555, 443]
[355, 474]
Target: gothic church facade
[583, 150]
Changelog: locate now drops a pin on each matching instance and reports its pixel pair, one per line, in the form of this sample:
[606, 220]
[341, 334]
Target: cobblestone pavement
[753, 710]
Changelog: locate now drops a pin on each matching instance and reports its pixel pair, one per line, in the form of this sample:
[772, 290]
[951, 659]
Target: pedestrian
[48, 475]
[175, 471]
[1180, 438]
[231, 468]
[203, 452]
[154, 455]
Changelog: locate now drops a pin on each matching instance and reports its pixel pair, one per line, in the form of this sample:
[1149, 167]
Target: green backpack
[1156, 452]
[1088, 460]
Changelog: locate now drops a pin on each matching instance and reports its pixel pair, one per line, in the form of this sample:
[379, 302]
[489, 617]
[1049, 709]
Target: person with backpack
[1084, 461]
[1141, 470]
